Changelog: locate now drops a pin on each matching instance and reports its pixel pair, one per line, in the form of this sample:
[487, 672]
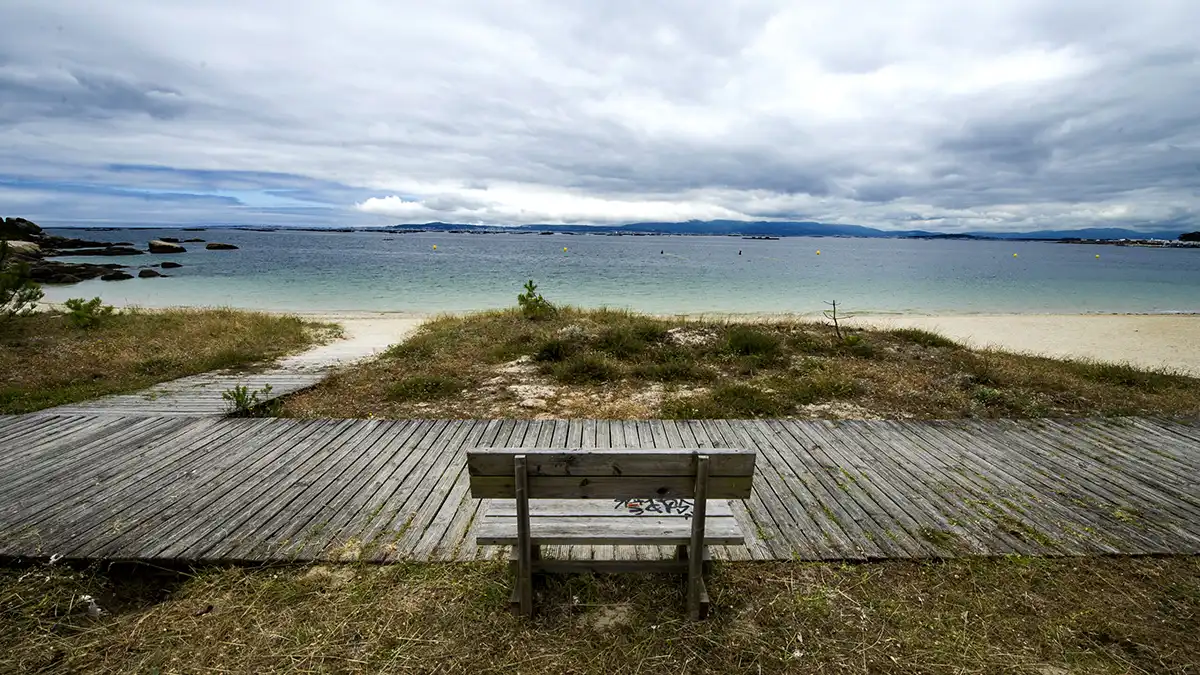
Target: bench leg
[696, 591]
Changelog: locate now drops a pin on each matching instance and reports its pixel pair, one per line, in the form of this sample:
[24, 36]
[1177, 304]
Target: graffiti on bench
[637, 507]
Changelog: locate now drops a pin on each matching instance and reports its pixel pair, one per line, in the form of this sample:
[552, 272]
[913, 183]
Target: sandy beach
[1157, 341]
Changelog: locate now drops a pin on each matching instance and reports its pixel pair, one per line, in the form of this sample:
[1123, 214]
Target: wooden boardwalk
[213, 489]
[195, 396]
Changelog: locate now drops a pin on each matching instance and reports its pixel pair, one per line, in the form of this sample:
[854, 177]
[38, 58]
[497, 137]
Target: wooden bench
[637, 497]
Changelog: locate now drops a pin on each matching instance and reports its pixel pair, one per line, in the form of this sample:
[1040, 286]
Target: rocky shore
[37, 248]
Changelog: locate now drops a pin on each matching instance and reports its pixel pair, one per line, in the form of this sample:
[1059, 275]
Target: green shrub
[988, 396]
[856, 346]
[746, 341]
[586, 368]
[726, 401]
[532, 304]
[817, 387]
[87, 313]
[675, 371]
[648, 330]
[621, 342]
[925, 338]
[555, 350]
[19, 294]
[424, 388]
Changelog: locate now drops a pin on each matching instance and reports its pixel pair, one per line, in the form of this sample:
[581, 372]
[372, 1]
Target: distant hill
[786, 229]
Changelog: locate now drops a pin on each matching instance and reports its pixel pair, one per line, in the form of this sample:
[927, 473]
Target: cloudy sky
[944, 115]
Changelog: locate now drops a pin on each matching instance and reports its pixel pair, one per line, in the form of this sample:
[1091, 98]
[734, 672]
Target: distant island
[769, 230]
[761, 230]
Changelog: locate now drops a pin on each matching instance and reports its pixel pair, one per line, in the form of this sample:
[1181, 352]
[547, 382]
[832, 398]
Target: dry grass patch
[44, 361]
[1001, 615]
[617, 364]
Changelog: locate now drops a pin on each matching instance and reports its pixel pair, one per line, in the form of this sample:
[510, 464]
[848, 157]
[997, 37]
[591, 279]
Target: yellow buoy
[435, 247]
[1097, 255]
[564, 249]
[818, 253]
[1014, 255]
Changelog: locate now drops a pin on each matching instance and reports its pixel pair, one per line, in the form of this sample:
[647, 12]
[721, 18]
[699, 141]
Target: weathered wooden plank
[192, 511]
[796, 495]
[127, 510]
[832, 502]
[609, 487]
[311, 528]
[554, 530]
[591, 508]
[625, 462]
[892, 523]
[447, 473]
[280, 487]
[398, 516]
[1029, 464]
[352, 507]
[295, 519]
[990, 481]
[785, 532]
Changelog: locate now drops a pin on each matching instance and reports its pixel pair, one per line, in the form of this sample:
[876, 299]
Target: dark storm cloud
[1017, 115]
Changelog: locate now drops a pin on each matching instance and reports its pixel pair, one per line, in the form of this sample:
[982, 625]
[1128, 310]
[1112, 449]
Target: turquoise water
[402, 272]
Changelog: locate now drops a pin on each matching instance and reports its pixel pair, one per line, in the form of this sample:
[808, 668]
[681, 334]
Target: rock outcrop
[148, 273]
[108, 250]
[160, 246]
[18, 228]
[116, 276]
[220, 247]
[51, 272]
[34, 246]
[169, 265]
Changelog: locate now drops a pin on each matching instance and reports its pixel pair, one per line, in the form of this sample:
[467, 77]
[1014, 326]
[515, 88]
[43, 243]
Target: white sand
[366, 334]
[1157, 341]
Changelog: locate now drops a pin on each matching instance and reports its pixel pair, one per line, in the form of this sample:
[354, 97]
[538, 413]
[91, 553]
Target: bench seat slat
[595, 508]
[559, 530]
[566, 522]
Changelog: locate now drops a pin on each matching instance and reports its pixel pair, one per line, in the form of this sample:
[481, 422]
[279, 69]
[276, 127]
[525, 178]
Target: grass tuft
[586, 369]
[922, 337]
[425, 388]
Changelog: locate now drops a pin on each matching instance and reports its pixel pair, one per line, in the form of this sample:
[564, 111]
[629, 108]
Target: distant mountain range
[788, 229]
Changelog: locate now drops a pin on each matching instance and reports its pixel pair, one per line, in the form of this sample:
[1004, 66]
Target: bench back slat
[610, 487]
[591, 473]
[592, 462]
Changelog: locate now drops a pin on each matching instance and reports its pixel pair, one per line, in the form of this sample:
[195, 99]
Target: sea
[431, 272]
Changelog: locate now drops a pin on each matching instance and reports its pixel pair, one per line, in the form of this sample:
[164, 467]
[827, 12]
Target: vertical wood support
[696, 550]
[524, 547]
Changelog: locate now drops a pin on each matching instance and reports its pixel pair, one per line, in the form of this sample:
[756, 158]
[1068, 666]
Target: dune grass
[621, 365]
[44, 361]
[999, 615]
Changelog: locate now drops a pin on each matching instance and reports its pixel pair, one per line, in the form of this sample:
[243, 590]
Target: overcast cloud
[1013, 115]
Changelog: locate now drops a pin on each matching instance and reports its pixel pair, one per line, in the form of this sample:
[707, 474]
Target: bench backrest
[593, 473]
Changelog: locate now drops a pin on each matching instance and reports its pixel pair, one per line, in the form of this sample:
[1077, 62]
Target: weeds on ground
[242, 401]
[1001, 615]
